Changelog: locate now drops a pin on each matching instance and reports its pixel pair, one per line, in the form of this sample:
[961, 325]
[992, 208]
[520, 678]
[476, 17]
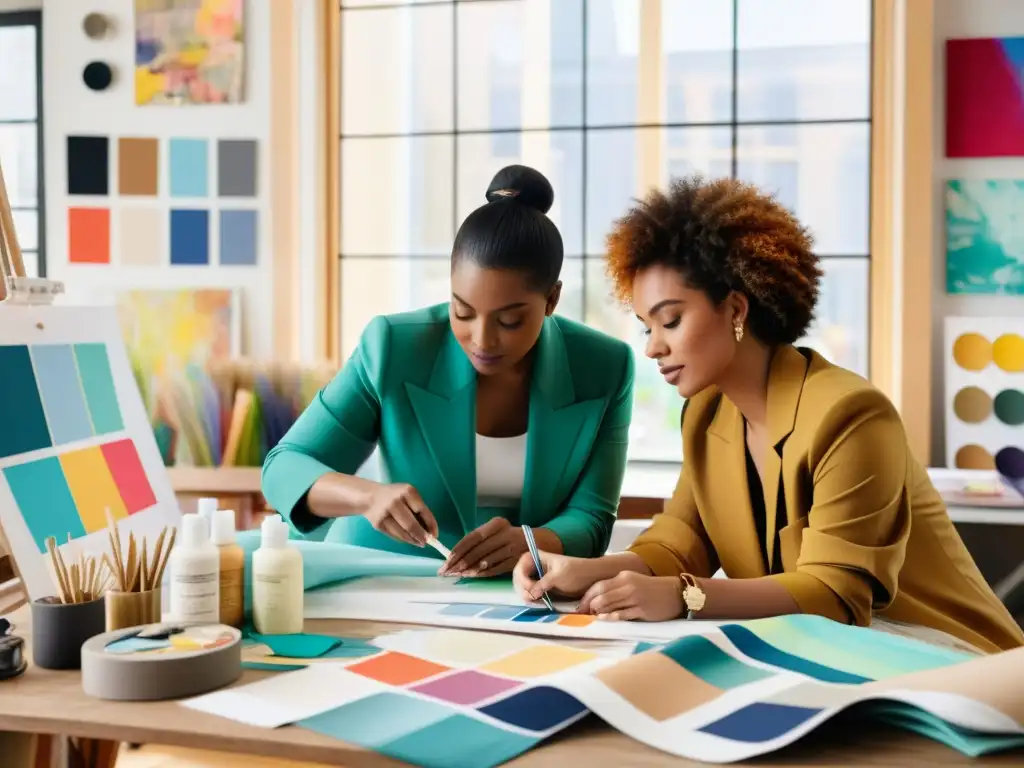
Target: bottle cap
[274, 532]
[223, 530]
[195, 531]
[207, 508]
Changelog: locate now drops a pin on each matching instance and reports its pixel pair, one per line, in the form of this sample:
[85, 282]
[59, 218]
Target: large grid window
[608, 98]
[21, 131]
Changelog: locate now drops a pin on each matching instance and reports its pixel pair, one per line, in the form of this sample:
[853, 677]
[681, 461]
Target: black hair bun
[525, 185]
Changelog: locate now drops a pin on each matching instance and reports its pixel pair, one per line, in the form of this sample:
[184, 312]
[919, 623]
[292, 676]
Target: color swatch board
[453, 698]
[473, 604]
[984, 371]
[74, 438]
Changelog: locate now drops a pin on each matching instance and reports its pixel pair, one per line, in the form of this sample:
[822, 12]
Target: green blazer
[410, 390]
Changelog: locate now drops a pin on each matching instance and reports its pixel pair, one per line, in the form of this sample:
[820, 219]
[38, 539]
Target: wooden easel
[19, 749]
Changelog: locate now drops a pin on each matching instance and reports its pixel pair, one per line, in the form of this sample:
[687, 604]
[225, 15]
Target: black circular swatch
[97, 76]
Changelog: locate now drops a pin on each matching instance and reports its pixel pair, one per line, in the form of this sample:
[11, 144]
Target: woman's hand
[633, 596]
[490, 550]
[567, 576]
[398, 511]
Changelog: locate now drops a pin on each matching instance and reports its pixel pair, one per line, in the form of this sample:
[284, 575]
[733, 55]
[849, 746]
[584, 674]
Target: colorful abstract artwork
[189, 51]
[985, 237]
[74, 439]
[985, 97]
[453, 698]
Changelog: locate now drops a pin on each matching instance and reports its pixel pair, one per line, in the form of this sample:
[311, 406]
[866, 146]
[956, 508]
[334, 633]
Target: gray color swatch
[236, 168]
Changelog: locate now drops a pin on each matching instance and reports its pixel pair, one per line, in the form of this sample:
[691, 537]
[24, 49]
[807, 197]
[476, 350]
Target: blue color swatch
[63, 399]
[21, 410]
[98, 385]
[463, 609]
[502, 612]
[759, 722]
[238, 238]
[541, 615]
[189, 167]
[536, 709]
[45, 501]
[190, 237]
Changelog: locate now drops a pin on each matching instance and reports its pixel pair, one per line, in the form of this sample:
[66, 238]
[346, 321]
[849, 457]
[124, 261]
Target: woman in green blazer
[489, 412]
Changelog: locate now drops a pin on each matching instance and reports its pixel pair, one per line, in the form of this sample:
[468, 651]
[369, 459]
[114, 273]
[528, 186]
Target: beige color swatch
[142, 239]
[657, 686]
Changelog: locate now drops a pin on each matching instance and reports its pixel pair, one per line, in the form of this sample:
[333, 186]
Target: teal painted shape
[984, 237]
[98, 385]
[459, 742]
[703, 658]
[376, 720]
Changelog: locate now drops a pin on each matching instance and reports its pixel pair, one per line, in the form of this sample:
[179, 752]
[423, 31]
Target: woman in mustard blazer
[797, 478]
[489, 412]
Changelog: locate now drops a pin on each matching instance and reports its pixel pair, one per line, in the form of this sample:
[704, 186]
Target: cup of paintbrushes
[62, 623]
[136, 596]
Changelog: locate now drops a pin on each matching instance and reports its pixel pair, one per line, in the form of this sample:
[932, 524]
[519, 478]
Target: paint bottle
[195, 574]
[277, 584]
[232, 568]
[207, 508]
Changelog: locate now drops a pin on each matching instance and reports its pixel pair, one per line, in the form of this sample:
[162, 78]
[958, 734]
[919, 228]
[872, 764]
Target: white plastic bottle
[207, 508]
[195, 574]
[277, 581]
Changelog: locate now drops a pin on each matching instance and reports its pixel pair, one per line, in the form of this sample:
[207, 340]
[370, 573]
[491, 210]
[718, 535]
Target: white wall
[20, 5]
[954, 19]
[70, 108]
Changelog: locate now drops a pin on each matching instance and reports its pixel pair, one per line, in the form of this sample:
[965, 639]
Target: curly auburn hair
[723, 235]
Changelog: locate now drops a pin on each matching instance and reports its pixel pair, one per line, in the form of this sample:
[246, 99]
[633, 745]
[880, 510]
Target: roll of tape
[161, 661]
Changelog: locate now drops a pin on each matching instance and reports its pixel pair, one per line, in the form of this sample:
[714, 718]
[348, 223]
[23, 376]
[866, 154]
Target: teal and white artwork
[985, 237]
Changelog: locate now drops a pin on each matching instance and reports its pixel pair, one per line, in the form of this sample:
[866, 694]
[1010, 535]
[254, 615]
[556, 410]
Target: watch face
[694, 598]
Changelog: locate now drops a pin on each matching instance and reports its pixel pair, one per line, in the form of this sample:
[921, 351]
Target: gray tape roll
[150, 668]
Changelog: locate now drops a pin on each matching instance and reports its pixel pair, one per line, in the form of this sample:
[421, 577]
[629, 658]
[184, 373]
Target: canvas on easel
[74, 437]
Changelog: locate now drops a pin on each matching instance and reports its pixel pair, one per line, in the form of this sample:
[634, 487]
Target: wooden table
[44, 702]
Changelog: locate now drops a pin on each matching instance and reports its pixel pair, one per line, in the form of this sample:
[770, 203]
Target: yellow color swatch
[1008, 352]
[972, 351]
[93, 488]
[538, 661]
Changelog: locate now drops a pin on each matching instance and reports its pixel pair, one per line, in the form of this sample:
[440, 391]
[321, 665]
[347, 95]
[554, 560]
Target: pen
[535, 554]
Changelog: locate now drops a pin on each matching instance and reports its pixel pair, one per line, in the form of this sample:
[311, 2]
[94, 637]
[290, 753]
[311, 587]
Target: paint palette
[452, 697]
[984, 370]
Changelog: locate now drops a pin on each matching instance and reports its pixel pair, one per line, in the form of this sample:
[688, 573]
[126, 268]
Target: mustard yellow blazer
[852, 524]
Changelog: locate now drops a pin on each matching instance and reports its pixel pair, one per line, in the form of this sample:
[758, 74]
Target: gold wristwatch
[693, 595]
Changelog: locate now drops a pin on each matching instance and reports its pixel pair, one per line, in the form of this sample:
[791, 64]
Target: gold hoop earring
[737, 328]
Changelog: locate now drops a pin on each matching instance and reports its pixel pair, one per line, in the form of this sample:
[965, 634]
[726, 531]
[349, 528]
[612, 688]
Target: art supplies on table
[12, 652]
[729, 693]
[277, 581]
[195, 574]
[232, 568]
[531, 544]
[161, 661]
[136, 594]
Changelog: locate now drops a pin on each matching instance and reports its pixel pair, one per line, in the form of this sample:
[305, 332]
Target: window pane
[396, 74]
[558, 155]
[520, 64]
[571, 302]
[840, 332]
[396, 196]
[654, 433]
[696, 66]
[821, 172]
[615, 174]
[19, 158]
[31, 261]
[17, 73]
[804, 59]
[26, 225]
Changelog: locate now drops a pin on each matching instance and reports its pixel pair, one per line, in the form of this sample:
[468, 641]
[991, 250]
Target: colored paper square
[537, 614]
[464, 609]
[189, 167]
[538, 660]
[577, 620]
[88, 160]
[129, 475]
[753, 647]
[142, 237]
[21, 408]
[236, 168]
[92, 487]
[536, 709]
[190, 237]
[759, 722]
[238, 238]
[98, 385]
[711, 664]
[459, 741]
[655, 685]
[138, 163]
[378, 719]
[45, 501]
[393, 668]
[984, 103]
[502, 612]
[63, 399]
[89, 235]
[466, 687]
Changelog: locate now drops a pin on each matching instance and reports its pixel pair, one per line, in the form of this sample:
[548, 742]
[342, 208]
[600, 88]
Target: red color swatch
[129, 475]
[395, 668]
[89, 235]
[984, 100]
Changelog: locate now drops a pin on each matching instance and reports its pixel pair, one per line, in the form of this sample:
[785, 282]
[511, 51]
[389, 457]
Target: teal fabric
[410, 390]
